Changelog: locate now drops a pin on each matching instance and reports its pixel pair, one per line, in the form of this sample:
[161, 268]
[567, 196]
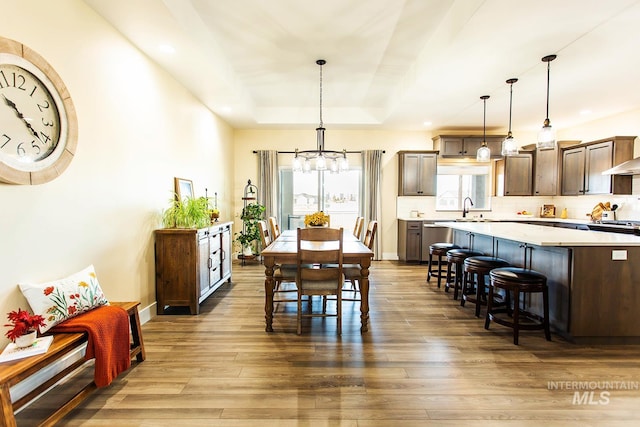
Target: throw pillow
[62, 299]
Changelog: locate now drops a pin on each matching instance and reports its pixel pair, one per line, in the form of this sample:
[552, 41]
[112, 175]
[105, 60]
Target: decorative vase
[27, 339]
[247, 251]
[326, 224]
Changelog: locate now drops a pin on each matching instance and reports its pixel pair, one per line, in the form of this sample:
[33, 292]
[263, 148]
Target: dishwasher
[432, 233]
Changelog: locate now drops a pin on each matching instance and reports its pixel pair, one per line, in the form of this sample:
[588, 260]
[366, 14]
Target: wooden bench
[12, 373]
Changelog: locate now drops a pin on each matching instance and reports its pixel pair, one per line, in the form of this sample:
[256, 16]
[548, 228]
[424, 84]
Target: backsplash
[507, 207]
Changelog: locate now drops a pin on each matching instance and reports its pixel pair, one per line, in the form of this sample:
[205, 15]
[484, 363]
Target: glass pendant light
[484, 153]
[510, 145]
[547, 135]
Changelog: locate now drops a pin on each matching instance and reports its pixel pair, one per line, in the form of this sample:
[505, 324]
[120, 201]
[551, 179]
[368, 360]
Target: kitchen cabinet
[417, 173]
[514, 175]
[547, 169]
[191, 264]
[466, 146]
[415, 237]
[409, 240]
[582, 167]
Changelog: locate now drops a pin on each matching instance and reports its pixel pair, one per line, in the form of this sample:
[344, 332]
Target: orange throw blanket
[107, 327]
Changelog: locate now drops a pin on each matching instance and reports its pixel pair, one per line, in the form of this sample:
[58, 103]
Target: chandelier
[334, 161]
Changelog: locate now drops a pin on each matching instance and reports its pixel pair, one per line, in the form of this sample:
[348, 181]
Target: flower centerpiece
[317, 219]
[23, 323]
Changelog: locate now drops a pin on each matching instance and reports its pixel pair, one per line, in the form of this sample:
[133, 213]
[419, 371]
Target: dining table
[283, 250]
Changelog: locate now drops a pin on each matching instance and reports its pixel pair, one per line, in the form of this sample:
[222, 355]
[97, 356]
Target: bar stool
[518, 280]
[439, 250]
[455, 259]
[478, 266]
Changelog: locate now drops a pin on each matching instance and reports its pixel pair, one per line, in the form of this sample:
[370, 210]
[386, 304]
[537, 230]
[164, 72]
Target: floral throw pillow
[62, 299]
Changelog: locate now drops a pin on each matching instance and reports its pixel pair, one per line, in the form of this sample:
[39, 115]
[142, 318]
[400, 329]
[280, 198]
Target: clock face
[29, 118]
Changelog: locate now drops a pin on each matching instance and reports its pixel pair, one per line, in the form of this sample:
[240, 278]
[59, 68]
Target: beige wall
[138, 129]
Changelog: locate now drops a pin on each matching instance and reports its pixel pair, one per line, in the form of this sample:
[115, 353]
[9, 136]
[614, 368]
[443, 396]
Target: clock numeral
[18, 81]
[21, 151]
[7, 139]
[33, 91]
[5, 80]
[36, 146]
[49, 124]
[45, 138]
[43, 106]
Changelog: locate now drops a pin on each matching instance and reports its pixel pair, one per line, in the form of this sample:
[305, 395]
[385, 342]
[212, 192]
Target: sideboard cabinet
[191, 264]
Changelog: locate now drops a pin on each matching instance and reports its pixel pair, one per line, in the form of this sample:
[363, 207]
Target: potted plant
[251, 214]
[187, 213]
[24, 327]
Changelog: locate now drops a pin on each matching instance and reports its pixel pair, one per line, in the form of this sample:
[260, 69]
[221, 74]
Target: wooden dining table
[283, 250]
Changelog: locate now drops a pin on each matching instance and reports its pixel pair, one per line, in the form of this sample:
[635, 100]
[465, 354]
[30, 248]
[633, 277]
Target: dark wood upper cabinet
[514, 175]
[418, 171]
[466, 146]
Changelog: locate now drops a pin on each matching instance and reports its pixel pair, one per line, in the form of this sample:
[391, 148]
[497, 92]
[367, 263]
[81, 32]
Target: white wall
[138, 129]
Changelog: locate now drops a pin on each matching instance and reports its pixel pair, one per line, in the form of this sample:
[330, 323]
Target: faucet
[465, 210]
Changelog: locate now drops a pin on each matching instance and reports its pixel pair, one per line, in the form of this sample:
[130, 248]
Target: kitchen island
[593, 277]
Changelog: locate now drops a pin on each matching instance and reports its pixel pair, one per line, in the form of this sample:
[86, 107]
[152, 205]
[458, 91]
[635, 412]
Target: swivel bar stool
[455, 259]
[439, 250]
[478, 266]
[518, 281]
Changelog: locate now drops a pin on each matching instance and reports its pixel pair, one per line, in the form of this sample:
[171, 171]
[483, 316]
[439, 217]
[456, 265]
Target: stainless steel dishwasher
[432, 233]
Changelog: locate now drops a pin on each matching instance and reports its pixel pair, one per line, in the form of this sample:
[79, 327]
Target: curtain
[268, 181]
[371, 194]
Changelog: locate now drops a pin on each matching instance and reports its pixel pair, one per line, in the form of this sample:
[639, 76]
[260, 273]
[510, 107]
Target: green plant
[251, 214]
[187, 213]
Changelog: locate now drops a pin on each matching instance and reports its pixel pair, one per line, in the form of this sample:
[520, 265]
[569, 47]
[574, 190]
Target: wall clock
[38, 123]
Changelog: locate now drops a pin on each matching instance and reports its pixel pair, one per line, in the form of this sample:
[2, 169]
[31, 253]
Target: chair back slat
[370, 234]
[357, 229]
[264, 234]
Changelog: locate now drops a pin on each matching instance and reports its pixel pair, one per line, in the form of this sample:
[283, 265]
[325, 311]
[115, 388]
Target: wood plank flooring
[425, 361]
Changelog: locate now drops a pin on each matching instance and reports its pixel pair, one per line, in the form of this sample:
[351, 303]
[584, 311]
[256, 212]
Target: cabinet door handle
[209, 263]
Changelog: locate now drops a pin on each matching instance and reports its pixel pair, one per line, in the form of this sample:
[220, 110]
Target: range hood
[630, 167]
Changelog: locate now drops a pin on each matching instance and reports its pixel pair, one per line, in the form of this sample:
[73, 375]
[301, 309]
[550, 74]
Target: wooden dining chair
[317, 247]
[357, 229]
[281, 273]
[352, 271]
[274, 227]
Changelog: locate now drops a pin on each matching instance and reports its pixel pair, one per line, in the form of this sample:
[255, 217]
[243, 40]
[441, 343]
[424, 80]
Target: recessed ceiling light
[427, 123]
[585, 112]
[166, 48]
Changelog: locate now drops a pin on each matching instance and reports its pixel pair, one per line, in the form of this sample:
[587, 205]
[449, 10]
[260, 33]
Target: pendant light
[484, 153]
[547, 135]
[510, 145]
[334, 161]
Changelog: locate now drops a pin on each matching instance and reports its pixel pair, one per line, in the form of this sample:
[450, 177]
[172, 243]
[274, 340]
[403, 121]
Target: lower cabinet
[409, 240]
[191, 264]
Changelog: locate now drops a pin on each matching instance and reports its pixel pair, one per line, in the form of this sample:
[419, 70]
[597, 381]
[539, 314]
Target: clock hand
[12, 104]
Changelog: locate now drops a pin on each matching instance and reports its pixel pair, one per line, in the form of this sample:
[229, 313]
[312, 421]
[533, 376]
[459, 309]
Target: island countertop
[544, 236]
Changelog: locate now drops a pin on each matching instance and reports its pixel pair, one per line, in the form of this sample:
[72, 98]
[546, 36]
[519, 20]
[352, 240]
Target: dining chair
[281, 273]
[357, 229]
[274, 227]
[352, 271]
[317, 247]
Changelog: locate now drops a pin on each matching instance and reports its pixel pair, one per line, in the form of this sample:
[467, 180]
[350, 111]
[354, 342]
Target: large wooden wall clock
[38, 123]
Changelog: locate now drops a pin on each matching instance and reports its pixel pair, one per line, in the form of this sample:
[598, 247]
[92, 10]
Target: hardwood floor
[425, 361]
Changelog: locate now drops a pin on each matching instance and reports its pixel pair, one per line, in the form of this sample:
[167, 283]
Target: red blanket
[108, 340]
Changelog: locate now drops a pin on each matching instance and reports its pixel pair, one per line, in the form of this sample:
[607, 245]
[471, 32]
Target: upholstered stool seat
[455, 259]
[439, 250]
[518, 281]
[478, 266]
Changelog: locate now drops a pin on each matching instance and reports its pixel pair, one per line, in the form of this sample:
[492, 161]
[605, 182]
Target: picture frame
[548, 211]
[183, 188]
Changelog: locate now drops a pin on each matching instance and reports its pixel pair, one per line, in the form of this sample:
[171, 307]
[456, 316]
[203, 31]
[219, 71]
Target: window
[337, 195]
[457, 181]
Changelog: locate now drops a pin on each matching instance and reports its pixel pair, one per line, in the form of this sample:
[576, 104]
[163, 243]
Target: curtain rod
[293, 152]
